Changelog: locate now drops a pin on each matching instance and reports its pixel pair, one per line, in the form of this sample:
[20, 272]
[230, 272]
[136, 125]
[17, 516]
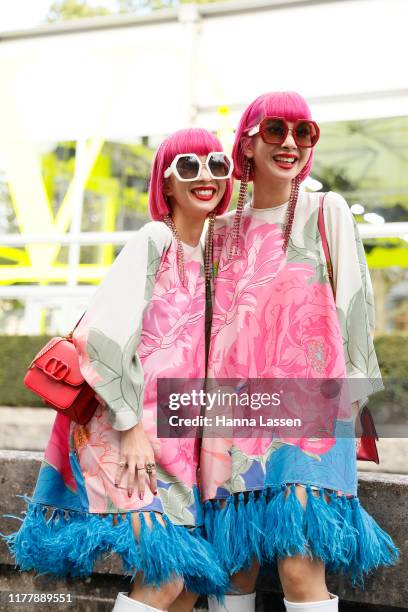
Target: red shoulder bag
[55, 376]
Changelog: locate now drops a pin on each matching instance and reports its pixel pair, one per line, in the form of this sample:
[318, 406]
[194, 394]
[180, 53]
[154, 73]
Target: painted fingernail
[154, 492]
[130, 492]
[141, 495]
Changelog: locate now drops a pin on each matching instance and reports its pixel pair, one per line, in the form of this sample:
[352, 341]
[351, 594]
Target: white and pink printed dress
[142, 324]
[275, 316]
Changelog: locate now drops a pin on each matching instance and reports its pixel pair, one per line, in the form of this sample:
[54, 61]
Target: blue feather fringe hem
[272, 524]
[69, 543]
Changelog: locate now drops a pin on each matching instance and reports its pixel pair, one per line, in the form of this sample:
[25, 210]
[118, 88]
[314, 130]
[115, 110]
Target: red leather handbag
[366, 447]
[55, 376]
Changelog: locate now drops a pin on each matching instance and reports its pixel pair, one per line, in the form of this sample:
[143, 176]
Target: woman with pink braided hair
[284, 499]
[113, 484]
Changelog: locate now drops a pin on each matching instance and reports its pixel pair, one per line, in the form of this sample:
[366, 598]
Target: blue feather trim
[322, 526]
[69, 543]
[375, 547]
[235, 531]
[284, 532]
[273, 524]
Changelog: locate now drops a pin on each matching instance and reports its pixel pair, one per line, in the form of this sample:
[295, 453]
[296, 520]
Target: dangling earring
[209, 247]
[240, 206]
[180, 251]
[290, 213]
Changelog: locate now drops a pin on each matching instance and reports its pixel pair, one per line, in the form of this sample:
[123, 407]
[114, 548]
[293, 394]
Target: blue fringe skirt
[272, 524]
[68, 543]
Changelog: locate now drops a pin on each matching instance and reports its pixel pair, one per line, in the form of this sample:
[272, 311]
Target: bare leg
[245, 580]
[184, 602]
[242, 598]
[167, 593]
[302, 578]
[160, 598]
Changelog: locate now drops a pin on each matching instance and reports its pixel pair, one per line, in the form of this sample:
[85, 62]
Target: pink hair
[287, 104]
[193, 140]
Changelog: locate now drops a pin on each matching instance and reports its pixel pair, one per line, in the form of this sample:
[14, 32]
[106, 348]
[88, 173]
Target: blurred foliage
[62, 10]
[392, 353]
[335, 179]
[16, 354]
[365, 161]
[128, 6]
[391, 405]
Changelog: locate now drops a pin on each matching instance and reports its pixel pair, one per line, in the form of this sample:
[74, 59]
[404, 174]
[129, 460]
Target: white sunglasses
[188, 166]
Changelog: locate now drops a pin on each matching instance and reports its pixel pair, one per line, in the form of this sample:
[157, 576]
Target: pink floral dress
[142, 324]
[275, 317]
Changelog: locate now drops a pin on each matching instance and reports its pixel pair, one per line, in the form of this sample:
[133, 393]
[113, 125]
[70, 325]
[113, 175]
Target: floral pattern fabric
[275, 316]
[141, 324]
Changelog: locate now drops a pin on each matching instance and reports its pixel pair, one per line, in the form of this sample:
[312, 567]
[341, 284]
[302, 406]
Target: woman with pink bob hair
[113, 485]
[285, 317]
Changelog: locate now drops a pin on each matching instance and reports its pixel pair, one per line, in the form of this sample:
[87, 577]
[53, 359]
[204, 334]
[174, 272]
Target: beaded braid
[240, 206]
[208, 267]
[209, 248]
[208, 255]
[180, 251]
[290, 212]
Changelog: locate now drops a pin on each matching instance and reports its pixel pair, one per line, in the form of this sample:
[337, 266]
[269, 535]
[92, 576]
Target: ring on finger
[150, 467]
[122, 464]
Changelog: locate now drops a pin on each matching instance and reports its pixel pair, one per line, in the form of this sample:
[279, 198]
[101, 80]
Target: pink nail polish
[141, 495]
[130, 493]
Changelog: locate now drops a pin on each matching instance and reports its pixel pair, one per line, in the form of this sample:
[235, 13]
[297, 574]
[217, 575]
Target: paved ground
[29, 428]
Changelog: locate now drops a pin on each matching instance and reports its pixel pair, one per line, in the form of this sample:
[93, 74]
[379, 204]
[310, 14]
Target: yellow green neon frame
[37, 263]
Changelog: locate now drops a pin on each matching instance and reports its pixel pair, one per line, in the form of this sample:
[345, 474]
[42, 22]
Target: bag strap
[325, 245]
[70, 334]
[54, 341]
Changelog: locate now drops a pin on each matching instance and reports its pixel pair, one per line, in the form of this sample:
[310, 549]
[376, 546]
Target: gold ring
[150, 465]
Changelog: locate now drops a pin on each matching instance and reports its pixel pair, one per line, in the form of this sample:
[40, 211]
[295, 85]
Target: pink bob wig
[193, 140]
[287, 104]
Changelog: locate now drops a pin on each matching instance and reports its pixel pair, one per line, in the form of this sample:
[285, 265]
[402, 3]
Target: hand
[135, 452]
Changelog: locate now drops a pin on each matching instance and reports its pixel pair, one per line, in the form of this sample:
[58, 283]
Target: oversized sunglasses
[274, 130]
[188, 166]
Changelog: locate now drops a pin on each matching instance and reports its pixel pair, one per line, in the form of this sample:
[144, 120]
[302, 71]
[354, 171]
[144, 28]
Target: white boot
[233, 603]
[327, 605]
[124, 603]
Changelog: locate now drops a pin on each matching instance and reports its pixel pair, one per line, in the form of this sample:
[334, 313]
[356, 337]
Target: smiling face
[274, 162]
[195, 198]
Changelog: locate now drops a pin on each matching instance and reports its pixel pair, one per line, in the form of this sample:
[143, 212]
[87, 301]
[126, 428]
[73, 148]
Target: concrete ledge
[384, 496]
